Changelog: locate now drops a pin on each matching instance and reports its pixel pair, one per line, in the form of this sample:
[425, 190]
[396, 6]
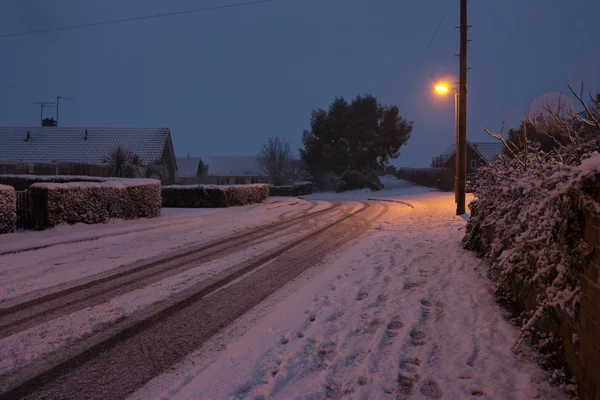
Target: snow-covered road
[400, 312]
[404, 313]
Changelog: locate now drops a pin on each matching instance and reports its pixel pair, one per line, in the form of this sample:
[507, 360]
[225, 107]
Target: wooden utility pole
[461, 152]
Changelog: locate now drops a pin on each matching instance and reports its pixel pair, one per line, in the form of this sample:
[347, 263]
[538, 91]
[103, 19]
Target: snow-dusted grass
[100, 248]
[403, 308]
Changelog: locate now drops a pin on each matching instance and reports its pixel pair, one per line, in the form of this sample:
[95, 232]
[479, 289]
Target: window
[240, 181]
[223, 181]
[473, 164]
[258, 180]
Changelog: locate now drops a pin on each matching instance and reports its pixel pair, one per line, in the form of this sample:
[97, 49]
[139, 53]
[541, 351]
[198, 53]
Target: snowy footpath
[403, 313]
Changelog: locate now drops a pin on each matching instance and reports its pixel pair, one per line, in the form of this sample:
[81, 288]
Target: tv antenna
[58, 98]
[42, 104]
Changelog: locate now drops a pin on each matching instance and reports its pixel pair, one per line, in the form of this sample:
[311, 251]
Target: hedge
[23, 182]
[441, 178]
[94, 202]
[209, 196]
[297, 189]
[8, 209]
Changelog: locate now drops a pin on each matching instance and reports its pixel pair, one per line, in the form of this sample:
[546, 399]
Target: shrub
[23, 182]
[8, 209]
[94, 202]
[527, 220]
[352, 180]
[208, 196]
[295, 190]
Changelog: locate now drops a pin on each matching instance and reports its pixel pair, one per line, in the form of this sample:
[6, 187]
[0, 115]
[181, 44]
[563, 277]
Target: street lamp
[442, 89]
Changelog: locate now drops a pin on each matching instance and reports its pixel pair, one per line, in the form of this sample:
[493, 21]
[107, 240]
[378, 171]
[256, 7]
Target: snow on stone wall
[530, 223]
[94, 202]
[209, 196]
[8, 209]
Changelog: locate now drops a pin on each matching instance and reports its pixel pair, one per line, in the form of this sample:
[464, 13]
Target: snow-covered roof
[449, 152]
[233, 166]
[187, 167]
[48, 144]
[489, 150]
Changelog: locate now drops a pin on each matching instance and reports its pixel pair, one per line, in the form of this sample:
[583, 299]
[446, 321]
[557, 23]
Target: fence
[24, 215]
[441, 178]
[58, 168]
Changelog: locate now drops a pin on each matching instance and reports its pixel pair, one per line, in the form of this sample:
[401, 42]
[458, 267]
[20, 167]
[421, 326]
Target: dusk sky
[224, 81]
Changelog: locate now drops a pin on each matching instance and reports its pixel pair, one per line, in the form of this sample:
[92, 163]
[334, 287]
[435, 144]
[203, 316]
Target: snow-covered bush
[8, 209]
[94, 202]
[209, 196]
[297, 189]
[527, 219]
[352, 180]
[23, 182]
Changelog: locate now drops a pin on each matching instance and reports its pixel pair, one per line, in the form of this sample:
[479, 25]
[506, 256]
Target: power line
[145, 17]
[437, 29]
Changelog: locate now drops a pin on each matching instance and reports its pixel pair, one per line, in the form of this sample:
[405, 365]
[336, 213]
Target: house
[52, 144]
[478, 153]
[187, 167]
[243, 170]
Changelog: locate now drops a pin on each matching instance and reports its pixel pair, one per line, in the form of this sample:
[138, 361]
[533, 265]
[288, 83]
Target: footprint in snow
[418, 338]
[406, 382]
[477, 392]
[361, 295]
[431, 390]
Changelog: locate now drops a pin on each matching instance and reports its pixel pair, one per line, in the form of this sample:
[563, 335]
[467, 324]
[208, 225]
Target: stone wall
[586, 358]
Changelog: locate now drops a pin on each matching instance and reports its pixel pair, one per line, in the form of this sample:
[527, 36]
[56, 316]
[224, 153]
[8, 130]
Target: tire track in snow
[17, 315]
[196, 316]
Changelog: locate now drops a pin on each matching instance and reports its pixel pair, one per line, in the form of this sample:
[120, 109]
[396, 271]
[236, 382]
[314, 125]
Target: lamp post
[443, 89]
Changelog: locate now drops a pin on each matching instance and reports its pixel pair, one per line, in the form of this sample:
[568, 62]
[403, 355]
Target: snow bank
[297, 189]
[209, 196]
[94, 202]
[8, 209]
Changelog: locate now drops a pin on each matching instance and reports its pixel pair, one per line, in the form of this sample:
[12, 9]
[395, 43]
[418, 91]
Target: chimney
[49, 122]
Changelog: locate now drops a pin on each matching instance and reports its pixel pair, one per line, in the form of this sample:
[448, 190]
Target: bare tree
[561, 123]
[274, 159]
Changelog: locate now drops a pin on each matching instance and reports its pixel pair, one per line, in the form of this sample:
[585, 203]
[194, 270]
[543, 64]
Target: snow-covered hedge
[23, 182]
[528, 220]
[441, 178]
[94, 202]
[210, 196]
[297, 189]
[8, 209]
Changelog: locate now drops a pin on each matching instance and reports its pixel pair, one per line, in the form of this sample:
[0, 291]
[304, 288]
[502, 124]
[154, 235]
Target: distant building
[478, 153]
[242, 170]
[187, 167]
[52, 144]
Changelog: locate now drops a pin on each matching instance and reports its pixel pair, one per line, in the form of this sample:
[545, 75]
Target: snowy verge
[93, 202]
[8, 209]
[198, 196]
